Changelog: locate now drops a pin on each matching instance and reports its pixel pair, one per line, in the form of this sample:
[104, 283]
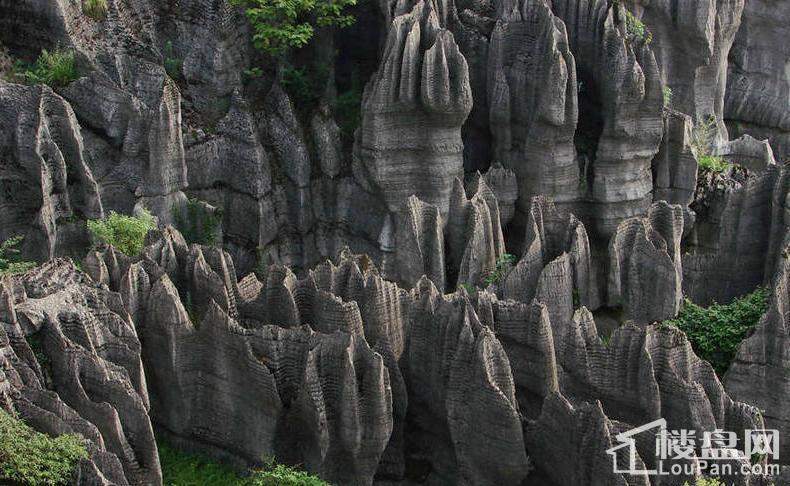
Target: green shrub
[702, 138]
[182, 469]
[634, 27]
[503, 265]
[305, 85]
[279, 25]
[10, 262]
[716, 332]
[197, 223]
[125, 233]
[95, 9]
[713, 163]
[56, 68]
[32, 458]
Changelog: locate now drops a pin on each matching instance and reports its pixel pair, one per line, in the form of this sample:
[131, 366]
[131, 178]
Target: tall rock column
[620, 103]
[409, 142]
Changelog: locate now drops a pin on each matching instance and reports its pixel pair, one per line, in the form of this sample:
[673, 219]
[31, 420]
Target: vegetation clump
[10, 261]
[95, 9]
[125, 233]
[182, 469]
[197, 223]
[30, 457]
[634, 27]
[503, 265]
[702, 139]
[279, 25]
[55, 68]
[716, 332]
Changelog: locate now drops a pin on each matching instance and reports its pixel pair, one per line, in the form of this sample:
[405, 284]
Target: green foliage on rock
[32, 458]
[715, 332]
[10, 261]
[503, 265]
[182, 469]
[95, 9]
[305, 85]
[197, 223]
[55, 68]
[125, 233]
[279, 25]
[667, 91]
[634, 27]
[702, 139]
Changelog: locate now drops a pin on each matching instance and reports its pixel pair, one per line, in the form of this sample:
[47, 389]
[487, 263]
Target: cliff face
[432, 295]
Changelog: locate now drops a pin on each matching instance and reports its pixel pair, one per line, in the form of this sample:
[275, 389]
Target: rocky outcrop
[49, 182]
[691, 42]
[409, 141]
[620, 103]
[645, 268]
[742, 225]
[675, 166]
[72, 360]
[755, 102]
[748, 152]
[760, 373]
[532, 101]
[474, 235]
[556, 265]
[419, 245]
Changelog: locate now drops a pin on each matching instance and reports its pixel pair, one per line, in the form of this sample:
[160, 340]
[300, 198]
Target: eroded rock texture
[645, 270]
[741, 228]
[691, 41]
[410, 137]
[72, 364]
[760, 373]
[756, 100]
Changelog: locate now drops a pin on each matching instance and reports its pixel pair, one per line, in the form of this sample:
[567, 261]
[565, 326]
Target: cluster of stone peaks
[467, 288]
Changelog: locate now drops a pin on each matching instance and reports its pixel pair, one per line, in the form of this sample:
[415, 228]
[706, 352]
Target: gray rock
[409, 142]
[86, 375]
[755, 102]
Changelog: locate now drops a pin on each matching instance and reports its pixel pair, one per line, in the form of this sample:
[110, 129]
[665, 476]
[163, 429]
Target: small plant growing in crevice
[10, 261]
[125, 233]
[53, 68]
[30, 457]
[503, 265]
[95, 9]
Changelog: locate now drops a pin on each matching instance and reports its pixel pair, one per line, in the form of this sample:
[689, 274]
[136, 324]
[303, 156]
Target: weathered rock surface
[741, 228]
[645, 269]
[47, 180]
[409, 141]
[532, 101]
[691, 41]
[756, 100]
[760, 373]
[72, 365]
